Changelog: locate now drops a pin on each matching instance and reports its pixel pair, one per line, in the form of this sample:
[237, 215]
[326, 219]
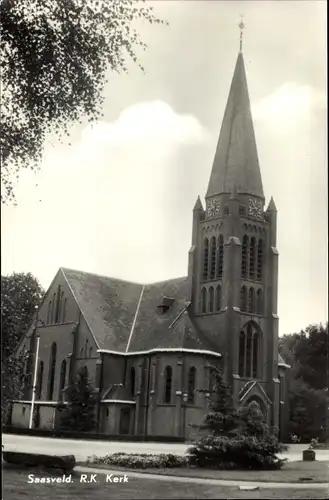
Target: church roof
[132, 317]
[236, 159]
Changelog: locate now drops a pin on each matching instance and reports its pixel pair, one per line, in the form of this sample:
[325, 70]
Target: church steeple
[236, 159]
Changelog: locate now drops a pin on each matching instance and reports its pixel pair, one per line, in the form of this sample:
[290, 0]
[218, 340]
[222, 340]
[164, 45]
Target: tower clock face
[255, 208]
[213, 208]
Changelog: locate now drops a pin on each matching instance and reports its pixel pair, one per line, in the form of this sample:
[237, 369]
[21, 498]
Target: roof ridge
[101, 276]
[165, 281]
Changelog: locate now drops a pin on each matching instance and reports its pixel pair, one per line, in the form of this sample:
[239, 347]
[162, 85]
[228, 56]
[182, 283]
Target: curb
[199, 480]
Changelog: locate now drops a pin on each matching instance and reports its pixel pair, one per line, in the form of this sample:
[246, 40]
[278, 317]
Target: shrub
[238, 439]
[141, 460]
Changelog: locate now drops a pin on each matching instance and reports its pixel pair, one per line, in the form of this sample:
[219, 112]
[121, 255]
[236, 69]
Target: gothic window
[220, 256]
[81, 352]
[251, 300]
[64, 311]
[252, 262]
[218, 298]
[52, 369]
[205, 258]
[168, 384]
[39, 383]
[213, 258]
[132, 381]
[53, 309]
[90, 352]
[243, 299]
[211, 299]
[242, 340]
[259, 302]
[260, 260]
[49, 313]
[255, 355]
[249, 352]
[58, 304]
[86, 348]
[245, 247]
[242, 210]
[62, 379]
[226, 210]
[191, 386]
[84, 372]
[203, 300]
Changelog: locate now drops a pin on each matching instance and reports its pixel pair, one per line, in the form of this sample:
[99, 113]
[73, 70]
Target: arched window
[86, 348]
[39, 383]
[243, 299]
[242, 340]
[255, 355]
[49, 313]
[84, 372]
[60, 308]
[62, 379]
[211, 299]
[259, 302]
[251, 300]
[191, 386]
[64, 311]
[260, 260]
[132, 381]
[58, 304]
[249, 352]
[205, 258]
[220, 256]
[213, 258]
[244, 261]
[168, 384]
[218, 298]
[203, 300]
[252, 262]
[53, 309]
[52, 370]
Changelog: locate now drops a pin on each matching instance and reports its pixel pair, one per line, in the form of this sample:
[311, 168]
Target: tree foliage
[79, 412]
[237, 438]
[307, 353]
[20, 295]
[55, 55]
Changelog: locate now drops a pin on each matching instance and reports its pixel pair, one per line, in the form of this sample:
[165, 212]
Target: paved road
[84, 449]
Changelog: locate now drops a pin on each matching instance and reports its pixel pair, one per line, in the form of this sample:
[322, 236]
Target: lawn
[16, 487]
[292, 472]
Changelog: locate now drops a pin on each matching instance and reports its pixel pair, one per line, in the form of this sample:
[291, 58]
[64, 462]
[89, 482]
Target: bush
[239, 452]
[141, 460]
[238, 439]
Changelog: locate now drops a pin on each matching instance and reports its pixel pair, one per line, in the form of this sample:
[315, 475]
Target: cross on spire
[242, 27]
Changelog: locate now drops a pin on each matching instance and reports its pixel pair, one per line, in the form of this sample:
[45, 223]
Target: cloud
[287, 105]
[99, 201]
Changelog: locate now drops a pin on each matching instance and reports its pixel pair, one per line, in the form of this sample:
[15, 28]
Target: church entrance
[124, 421]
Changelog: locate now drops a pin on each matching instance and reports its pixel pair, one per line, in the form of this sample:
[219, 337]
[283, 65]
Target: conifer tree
[79, 413]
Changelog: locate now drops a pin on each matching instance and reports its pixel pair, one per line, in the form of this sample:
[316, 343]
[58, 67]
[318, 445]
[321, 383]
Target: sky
[118, 201]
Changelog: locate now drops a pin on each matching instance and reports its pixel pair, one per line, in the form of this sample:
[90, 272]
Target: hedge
[141, 460]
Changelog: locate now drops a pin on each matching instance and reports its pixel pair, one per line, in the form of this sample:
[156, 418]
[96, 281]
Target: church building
[148, 349]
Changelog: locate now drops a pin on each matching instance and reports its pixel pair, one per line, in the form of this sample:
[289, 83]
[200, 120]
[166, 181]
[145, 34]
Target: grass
[317, 472]
[15, 487]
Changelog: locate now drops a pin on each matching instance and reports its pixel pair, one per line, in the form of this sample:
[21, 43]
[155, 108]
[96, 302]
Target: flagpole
[35, 375]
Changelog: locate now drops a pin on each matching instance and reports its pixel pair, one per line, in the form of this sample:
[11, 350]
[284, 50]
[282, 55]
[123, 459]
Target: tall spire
[236, 159]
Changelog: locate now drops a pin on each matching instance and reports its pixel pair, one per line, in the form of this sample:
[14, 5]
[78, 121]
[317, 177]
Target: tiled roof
[107, 304]
[109, 307]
